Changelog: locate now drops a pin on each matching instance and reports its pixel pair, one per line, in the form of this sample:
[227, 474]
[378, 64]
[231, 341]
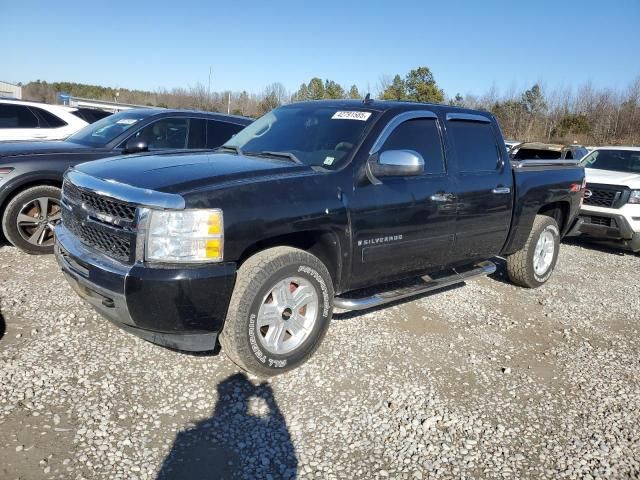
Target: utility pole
[209, 88]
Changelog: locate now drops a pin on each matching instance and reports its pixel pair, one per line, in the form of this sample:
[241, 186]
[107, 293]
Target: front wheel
[29, 217]
[532, 266]
[279, 311]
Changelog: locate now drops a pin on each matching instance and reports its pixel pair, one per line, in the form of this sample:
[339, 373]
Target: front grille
[98, 222]
[98, 204]
[98, 237]
[604, 197]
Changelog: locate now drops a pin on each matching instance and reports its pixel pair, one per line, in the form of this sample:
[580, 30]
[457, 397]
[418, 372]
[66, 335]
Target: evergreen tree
[395, 91]
[422, 87]
[354, 93]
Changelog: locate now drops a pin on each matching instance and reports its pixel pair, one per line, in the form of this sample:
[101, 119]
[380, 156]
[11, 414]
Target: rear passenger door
[405, 223]
[484, 190]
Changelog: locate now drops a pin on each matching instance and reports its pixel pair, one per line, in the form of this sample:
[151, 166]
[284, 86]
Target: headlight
[635, 196]
[185, 236]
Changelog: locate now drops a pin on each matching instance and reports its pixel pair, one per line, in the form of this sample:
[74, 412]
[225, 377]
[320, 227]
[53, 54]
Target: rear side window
[49, 120]
[197, 133]
[90, 115]
[420, 135]
[17, 116]
[569, 155]
[475, 146]
[219, 132]
[533, 154]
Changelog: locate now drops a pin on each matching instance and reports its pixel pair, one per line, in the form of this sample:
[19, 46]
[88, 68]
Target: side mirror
[396, 163]
[135, 145]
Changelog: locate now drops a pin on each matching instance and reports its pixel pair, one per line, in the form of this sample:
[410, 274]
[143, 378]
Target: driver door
[406, 223]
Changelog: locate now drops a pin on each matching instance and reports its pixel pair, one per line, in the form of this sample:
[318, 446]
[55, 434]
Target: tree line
[586, 115]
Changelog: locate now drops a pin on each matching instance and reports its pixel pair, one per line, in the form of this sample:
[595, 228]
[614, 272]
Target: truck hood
[182, 173]
[611, 177]
[16, 149]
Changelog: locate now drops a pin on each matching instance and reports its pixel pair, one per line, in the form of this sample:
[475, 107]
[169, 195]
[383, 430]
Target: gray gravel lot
[488, 380]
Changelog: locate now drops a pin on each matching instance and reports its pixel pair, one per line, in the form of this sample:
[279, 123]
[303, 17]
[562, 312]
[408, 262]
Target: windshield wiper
[287, 155]
[236, 150]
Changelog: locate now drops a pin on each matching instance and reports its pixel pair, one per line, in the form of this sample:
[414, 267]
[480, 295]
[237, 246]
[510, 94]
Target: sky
[470, 46]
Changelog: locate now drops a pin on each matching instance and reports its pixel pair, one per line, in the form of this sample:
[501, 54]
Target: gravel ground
[487, 380]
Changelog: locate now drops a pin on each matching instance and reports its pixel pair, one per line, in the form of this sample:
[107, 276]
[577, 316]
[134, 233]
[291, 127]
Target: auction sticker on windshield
[351, 115]
[127, 121]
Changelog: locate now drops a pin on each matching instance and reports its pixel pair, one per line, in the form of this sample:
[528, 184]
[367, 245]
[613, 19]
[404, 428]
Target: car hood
[15, 149]
[182, 173]
[611, 177]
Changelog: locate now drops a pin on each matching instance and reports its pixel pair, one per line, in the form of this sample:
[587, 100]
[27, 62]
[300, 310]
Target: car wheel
[532, 266]
[279, 311]
[29, 217]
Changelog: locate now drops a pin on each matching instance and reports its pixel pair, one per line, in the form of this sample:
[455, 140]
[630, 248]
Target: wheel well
[322, 244]
[25, 186]
[559, 211]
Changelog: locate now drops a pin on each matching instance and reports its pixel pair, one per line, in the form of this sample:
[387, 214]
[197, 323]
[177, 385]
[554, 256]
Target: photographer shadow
[3, 326]
[246, 437]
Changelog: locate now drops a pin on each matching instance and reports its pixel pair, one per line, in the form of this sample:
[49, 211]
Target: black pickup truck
[316, 205]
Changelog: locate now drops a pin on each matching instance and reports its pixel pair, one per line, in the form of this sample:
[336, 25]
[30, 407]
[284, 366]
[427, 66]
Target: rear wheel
[532, 266]
[279, 311]
[28, 219]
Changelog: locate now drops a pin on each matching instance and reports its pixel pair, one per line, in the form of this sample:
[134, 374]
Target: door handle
[501, 190]
[443, 197]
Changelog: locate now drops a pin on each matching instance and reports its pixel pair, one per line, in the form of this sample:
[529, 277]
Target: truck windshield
[617, 160]
[102, 132]
[319, 135]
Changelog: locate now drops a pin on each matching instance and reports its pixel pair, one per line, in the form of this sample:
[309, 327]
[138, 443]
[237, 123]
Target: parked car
[299, 212]
[547, 151]
[21, 120]
[611, 209]
[31, 172]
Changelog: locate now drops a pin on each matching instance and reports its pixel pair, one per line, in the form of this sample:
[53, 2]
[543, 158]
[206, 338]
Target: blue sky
[469, 45]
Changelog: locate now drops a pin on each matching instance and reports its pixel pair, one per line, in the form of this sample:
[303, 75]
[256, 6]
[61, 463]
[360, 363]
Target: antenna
[367, 99]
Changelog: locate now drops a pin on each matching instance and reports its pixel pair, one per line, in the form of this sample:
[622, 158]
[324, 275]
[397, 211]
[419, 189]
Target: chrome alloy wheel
[543, 254]
[36, 218]
[287, 315]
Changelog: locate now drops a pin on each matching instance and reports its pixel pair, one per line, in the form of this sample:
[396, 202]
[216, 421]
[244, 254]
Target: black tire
[241, 339]
[520, 265]
[17, 234]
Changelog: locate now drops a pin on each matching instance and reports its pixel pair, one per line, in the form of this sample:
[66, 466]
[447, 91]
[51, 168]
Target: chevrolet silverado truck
[316, 205]
[611, 209]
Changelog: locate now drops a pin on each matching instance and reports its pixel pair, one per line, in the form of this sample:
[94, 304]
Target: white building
[10, 90]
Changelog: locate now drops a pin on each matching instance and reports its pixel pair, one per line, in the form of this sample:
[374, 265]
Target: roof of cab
[386, 105]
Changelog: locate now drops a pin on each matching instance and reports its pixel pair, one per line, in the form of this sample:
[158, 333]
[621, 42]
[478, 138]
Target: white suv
[611, 208]
[20, 120]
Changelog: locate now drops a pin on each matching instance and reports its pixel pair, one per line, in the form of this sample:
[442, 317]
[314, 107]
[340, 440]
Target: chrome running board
[482, 268]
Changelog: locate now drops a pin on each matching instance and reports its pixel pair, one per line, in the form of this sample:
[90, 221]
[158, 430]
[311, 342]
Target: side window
[197, 133]
[219, 132]
[423, 136]
[475, 146]
[17, 116]
[569, 155]
[166, 133]
[49, 119]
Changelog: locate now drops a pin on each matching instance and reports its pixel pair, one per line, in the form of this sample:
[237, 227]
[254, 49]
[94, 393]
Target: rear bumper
[177, 307]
